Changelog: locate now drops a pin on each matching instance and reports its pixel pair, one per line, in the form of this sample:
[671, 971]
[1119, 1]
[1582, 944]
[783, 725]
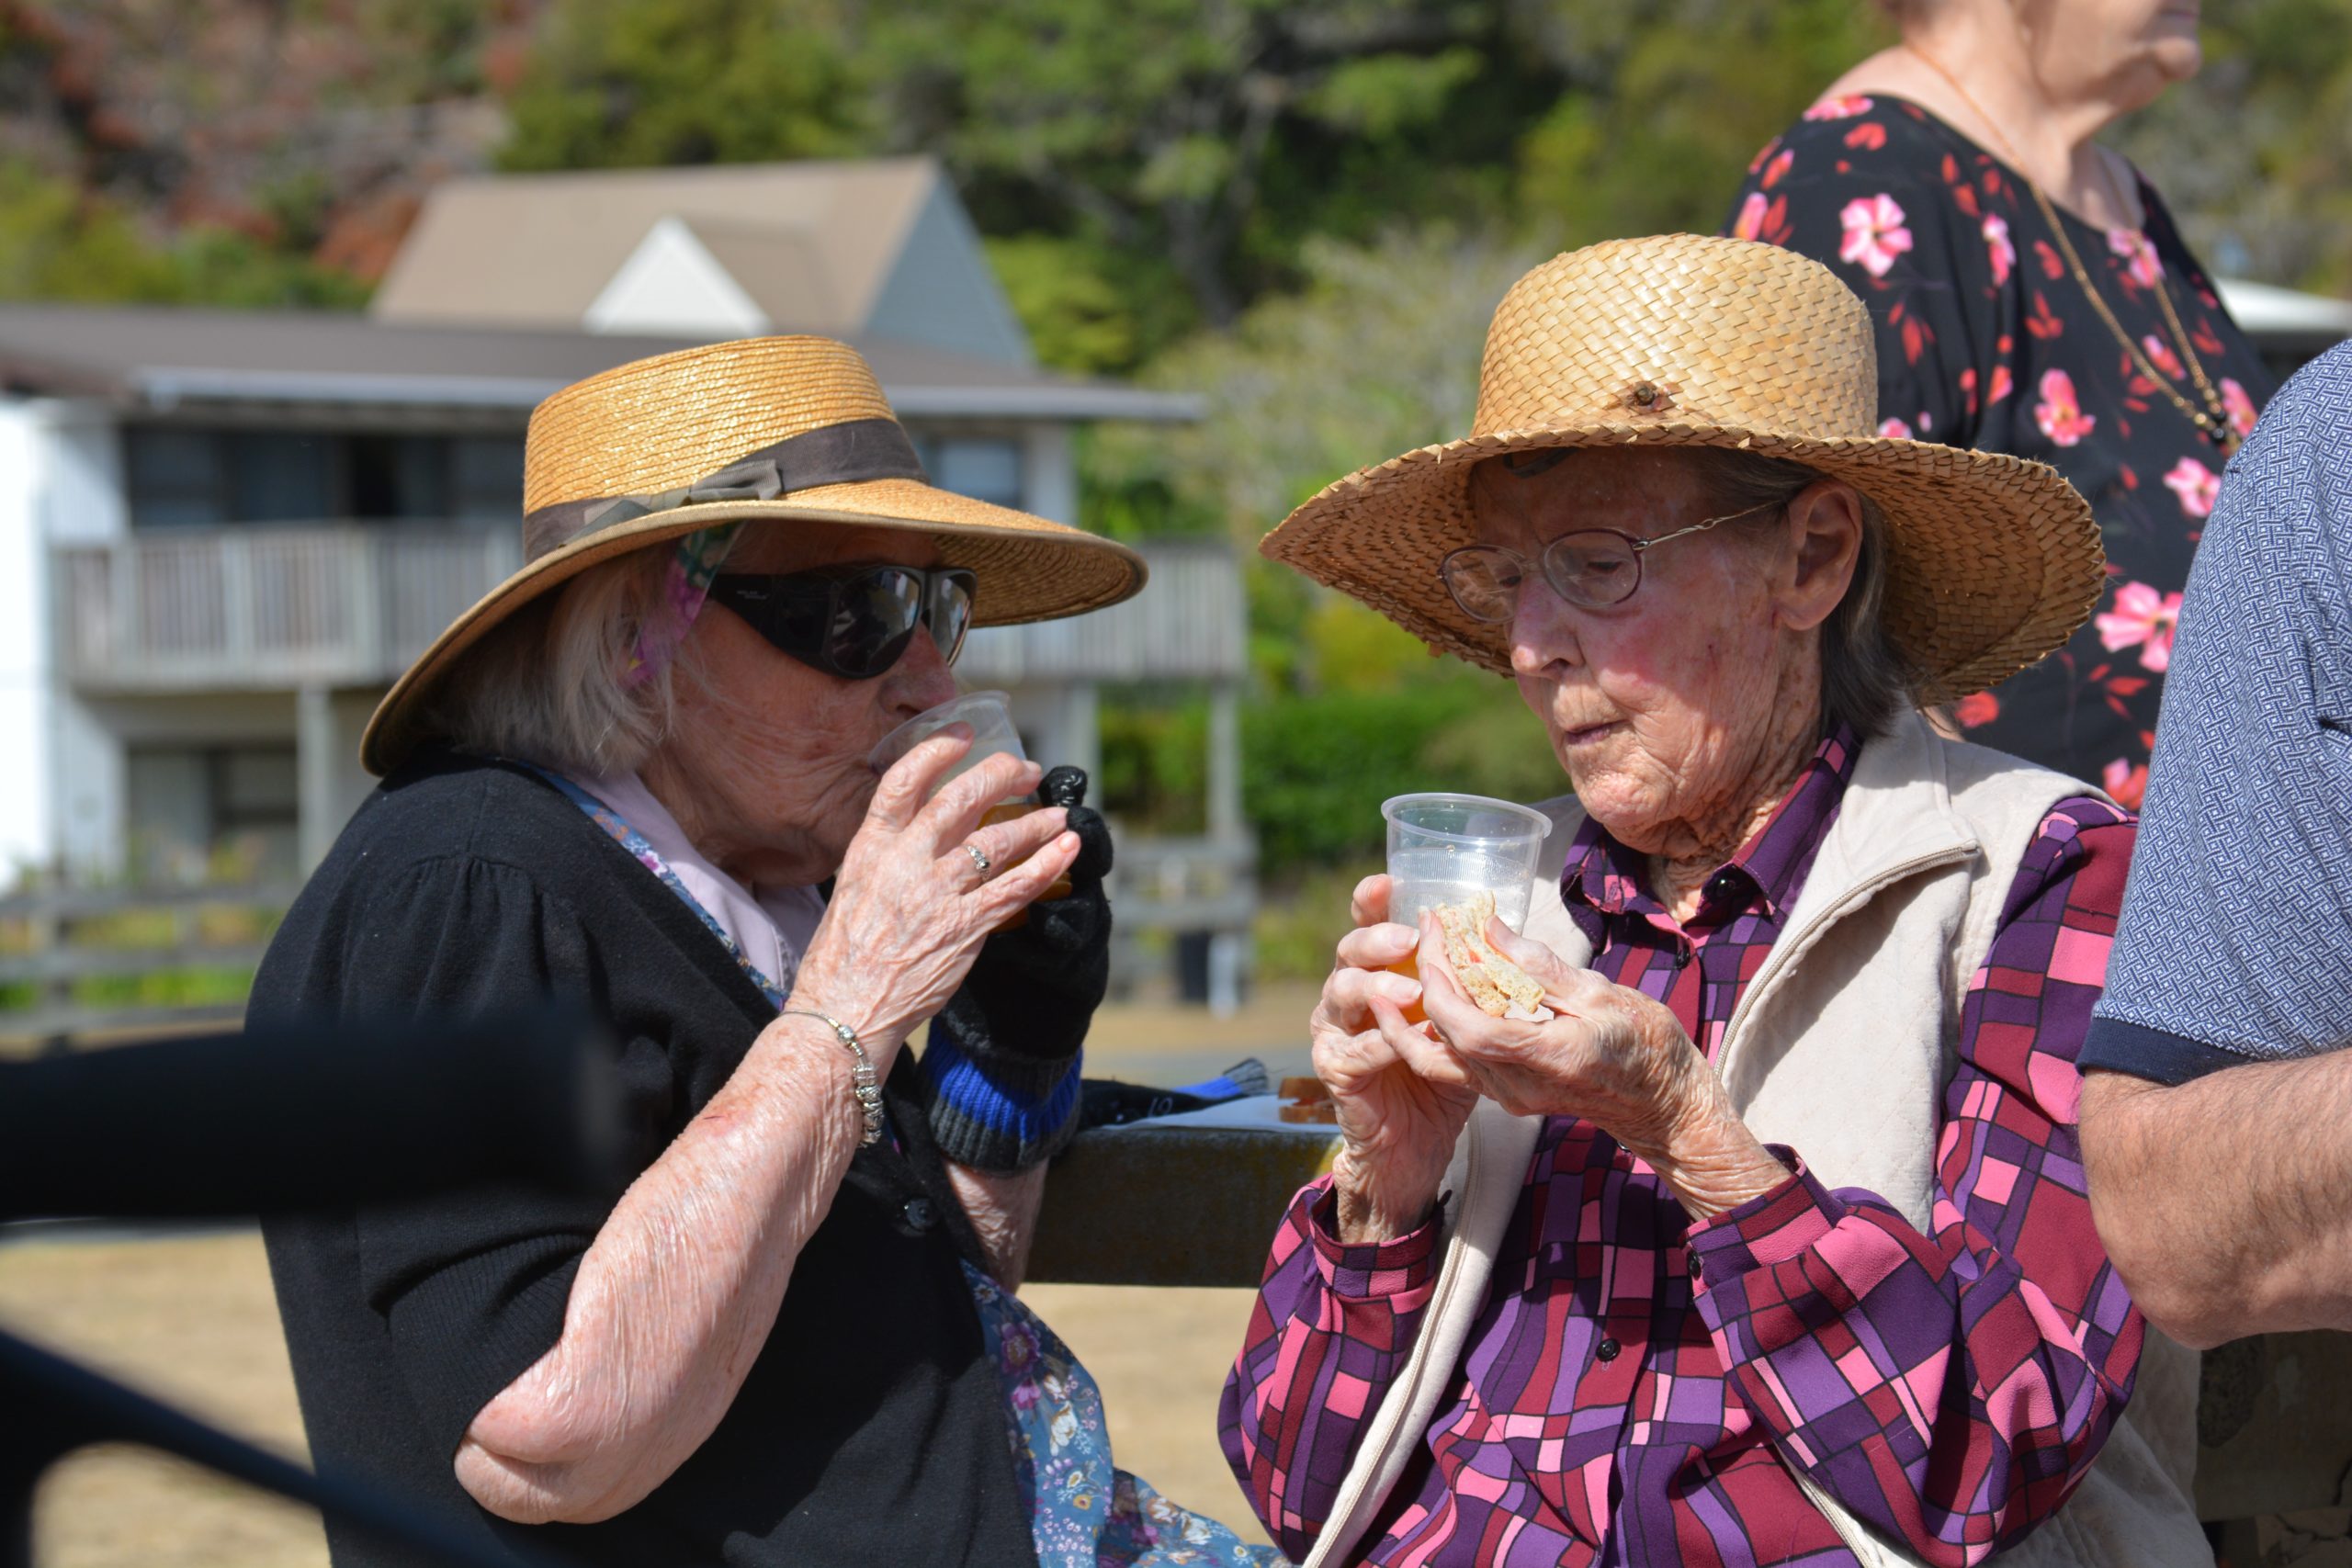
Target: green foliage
[165, 988]
[1352, 648]
[2251, 154]
[1668, 109]
[1155, 763]
[616, 83]
[1382, 95]
[1077, 317]
[1497, 747]
[56, 243]
[1315, 769]
[1376, 355]
[1204, 145]
[1295, 931]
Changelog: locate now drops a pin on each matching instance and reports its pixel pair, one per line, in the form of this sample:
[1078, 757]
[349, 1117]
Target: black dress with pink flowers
[1986, 340]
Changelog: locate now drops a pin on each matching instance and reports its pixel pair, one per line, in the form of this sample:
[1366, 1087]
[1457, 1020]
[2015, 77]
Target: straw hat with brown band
[791, 431]
[1686, 341]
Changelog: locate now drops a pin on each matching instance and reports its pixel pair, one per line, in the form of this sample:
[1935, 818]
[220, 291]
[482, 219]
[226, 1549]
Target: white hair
[553, 683]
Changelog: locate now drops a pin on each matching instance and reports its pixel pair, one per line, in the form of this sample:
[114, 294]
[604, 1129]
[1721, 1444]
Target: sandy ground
[190, 1318]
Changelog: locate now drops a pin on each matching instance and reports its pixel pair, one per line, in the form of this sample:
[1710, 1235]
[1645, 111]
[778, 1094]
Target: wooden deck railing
[275, 606]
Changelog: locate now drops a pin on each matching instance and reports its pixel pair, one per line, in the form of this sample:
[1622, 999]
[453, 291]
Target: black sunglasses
[854, 621]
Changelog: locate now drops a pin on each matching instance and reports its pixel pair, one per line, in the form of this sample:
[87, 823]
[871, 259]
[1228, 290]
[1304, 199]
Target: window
[486, 479]
[176, 478]
[280, 476]
[227, 814]
[184, 478]
[397, 476]
[986, 468]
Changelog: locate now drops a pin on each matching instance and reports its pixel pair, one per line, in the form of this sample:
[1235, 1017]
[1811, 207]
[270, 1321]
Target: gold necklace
[2211, 420]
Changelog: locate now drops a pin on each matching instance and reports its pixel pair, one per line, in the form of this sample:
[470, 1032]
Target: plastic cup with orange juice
[990, 717]
[1443, 848]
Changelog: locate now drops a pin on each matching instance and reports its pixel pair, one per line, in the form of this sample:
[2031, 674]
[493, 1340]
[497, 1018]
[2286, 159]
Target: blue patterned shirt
[2236, 938]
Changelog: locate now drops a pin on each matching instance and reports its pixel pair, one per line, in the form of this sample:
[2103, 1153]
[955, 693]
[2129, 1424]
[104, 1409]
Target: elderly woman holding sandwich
[1764, 1240]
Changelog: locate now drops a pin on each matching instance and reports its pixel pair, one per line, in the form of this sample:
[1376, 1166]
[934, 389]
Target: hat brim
[1994, 560]
[1028, 569]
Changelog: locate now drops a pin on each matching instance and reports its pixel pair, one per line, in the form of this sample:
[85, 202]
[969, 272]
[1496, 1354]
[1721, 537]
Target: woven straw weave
[1687, 341]
[659, 425]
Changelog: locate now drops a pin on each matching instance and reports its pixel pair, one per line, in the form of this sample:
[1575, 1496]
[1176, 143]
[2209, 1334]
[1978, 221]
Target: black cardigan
[872, 1428]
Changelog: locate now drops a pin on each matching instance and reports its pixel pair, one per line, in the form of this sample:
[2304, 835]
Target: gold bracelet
[861, 1076]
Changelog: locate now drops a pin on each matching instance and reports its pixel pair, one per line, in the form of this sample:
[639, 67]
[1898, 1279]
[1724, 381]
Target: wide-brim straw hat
[1682, 340]
[786, 431]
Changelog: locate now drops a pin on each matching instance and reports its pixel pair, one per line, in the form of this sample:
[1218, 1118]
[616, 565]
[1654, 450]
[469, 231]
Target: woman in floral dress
[2032, 295]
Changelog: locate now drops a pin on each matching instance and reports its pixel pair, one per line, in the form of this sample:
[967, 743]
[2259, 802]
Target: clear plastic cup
[1444, 849]
[990, 714]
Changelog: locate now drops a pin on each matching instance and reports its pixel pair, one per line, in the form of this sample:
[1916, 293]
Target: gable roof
[817, 246]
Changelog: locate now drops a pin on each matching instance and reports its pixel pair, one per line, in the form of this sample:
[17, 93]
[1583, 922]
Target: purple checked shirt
[1625, 1385]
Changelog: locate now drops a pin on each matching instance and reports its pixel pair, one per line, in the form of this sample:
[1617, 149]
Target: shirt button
[1722, 887]
[920, 1215]
[1682, 958]
[1692, 1261]
[1607, 1350]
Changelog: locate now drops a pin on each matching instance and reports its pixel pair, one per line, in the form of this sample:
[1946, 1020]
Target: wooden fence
[59, 942]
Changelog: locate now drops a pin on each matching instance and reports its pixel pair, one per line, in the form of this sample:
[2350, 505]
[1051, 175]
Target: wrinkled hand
[1034, 989]
[1402, 1100]
[910, 907]
[1611, 1055]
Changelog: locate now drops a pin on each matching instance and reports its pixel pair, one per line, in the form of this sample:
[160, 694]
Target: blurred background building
[225, 533]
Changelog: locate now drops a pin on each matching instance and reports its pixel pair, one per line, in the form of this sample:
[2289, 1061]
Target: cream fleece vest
[1841, 1049]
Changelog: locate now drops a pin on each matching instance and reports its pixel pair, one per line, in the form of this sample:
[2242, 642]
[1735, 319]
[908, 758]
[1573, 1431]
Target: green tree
[1668, 103]
[1201, 144]
[617, 84]
[2251, 156]
[58, 242]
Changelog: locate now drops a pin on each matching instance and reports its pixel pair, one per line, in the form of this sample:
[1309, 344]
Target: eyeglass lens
[875, 612]
[1594, 568]
[874, 615]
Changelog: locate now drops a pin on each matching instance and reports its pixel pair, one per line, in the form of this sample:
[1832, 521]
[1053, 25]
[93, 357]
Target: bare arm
[677, 1294]
[1003, 1206]
[2226, 1201]
[675, 1297]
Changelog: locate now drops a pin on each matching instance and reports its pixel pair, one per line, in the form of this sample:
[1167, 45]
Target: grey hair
[550, 685]
[1864, 682]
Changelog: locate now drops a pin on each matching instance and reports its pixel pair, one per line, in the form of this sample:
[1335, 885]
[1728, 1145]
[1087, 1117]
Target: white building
[223, 533]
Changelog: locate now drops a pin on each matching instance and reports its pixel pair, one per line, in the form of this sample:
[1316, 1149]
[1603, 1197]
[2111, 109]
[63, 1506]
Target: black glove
[1002, 1061]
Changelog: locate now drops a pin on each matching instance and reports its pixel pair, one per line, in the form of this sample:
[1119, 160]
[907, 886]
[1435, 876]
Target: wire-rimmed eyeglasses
[1591, 568]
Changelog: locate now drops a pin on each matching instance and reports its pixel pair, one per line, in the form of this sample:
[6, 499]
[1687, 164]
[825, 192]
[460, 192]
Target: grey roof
[309, 364]
[535, 250]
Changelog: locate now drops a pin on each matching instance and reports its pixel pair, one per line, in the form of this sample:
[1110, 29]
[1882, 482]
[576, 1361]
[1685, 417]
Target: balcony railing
[347, 604]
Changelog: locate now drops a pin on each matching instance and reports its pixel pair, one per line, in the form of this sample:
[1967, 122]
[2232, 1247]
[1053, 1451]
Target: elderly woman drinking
[636, 778]
[1770, 1244]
